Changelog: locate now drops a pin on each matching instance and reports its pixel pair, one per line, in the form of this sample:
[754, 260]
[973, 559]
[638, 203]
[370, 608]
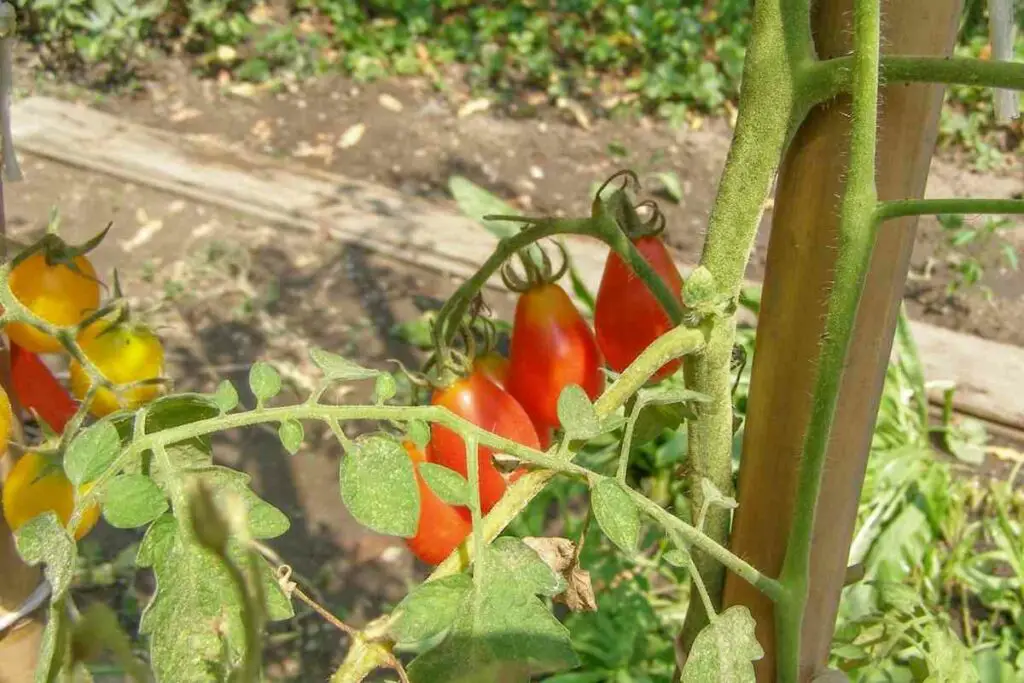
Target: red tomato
[37, 389]
[479, 400]
[494, 365]
[552, 347]
[627, 317]
[441, 527]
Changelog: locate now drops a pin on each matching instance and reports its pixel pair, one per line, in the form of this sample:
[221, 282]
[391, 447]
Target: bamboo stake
[801, 258]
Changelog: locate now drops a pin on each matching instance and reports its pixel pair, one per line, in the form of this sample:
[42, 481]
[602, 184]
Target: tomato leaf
[476, 202]
[132, 500]
[670, 185]
[196, 613]
[616, 514]
[226, 396]
[430, 609]
[291, 434]
[577, 414]
[678, 557]
[449, 485]
[502, 631]
[379, 488]
[338, 369]
[724, 650]
[264, 381]
[53, 650]
[384, 388]
[42, 539]
[91, 452]
[418, 432]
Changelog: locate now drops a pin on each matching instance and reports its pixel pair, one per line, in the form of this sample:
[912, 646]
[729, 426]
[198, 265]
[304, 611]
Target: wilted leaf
[724, 650]
[379, 488]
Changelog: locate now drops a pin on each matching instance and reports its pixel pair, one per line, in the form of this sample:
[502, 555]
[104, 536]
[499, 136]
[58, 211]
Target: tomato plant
[494, 366]
[627, 317]
[125, 354]
[441, 527]
[58, 292]
[36, 485]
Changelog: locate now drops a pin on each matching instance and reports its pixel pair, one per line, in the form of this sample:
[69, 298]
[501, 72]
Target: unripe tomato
[55, 293]
[37, 389]
[552, 347]
[124, 354]
[28, 493]
[494, 365]
[482, 402]
[627, 317]
[441, 527]
[6, 417]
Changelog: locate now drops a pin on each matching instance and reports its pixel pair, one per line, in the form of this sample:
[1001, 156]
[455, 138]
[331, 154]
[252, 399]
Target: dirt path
[414, 139]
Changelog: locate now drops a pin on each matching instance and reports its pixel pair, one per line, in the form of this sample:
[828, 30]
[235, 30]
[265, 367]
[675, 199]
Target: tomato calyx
[57, 252]
[538, 269]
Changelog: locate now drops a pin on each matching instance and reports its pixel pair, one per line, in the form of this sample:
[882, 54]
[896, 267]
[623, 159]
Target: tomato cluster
[552, 346]
[59, 285]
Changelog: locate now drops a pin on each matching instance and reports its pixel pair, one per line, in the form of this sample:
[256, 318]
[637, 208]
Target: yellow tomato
[6, 417]
[29, 492]
[55, 293]
[124, 354]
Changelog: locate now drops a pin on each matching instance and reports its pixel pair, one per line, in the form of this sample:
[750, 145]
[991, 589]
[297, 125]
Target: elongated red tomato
[37, 389]
[482, 402]
[441, 527]
[494, 365]
[552, 347]
[627, 317]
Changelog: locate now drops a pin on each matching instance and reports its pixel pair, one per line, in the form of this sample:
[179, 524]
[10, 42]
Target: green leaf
[291, 434]
[226, 396]
[338, 369]
[430, 609]
[670, 182]
[42, 539]
[418, 432]
[53, 650]
[264, 381]
[724, 650]
[577, 414]
[449, 485]
[177, 410]
[678, 557]
[384, 388]
[92, 452]
[616, 514]
[967, 441]
[265, 520]
[579, 288]
[476, 202]
[132, 500]
[502, 631]
[196, 612]
[379, 488]
[654, 419]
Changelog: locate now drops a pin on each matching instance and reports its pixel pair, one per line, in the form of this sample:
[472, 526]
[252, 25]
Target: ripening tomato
[494, 365]
[552, 347]
[627, 317]
[38, 390]
[29, 492]
[55, 293]
[124, 354]
[6, 418]
[479, 400]
[441, 527]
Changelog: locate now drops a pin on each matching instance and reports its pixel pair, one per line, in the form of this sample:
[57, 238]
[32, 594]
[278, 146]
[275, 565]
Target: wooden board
[989, 374]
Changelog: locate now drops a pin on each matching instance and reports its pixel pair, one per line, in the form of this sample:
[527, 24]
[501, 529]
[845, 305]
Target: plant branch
[913, 69]
[925, 207]
[856, 241]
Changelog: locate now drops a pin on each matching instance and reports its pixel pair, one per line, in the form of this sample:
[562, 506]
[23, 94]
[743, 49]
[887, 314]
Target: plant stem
[856, 241]
[950, 70]
[769, 110]
[473, 472]
[900, 208]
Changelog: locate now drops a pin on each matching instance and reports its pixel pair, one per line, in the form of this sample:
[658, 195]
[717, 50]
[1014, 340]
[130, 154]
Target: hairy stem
[769, 110]
[924, 207]
[856, 241]
[907, 69]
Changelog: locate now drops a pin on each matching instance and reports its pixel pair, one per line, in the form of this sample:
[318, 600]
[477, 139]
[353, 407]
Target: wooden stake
[801, 257]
